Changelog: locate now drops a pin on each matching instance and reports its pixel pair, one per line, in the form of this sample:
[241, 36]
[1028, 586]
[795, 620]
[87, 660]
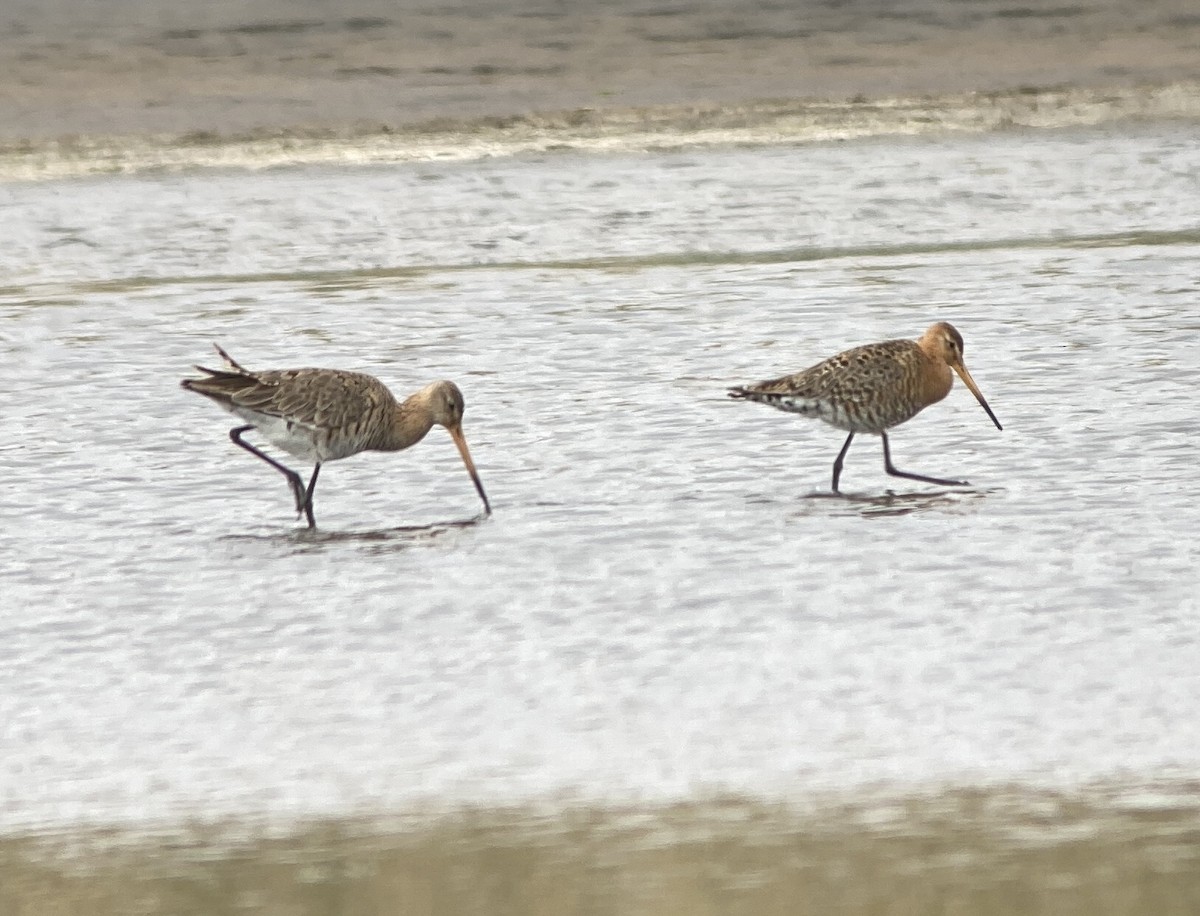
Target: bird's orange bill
[970, 383]
[456, 434]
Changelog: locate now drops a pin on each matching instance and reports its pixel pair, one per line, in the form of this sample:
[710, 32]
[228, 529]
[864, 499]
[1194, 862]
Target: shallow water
[667, 603]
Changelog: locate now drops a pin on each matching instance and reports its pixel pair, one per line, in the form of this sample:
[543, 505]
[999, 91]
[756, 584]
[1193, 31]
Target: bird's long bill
[456, 434]
[970, 383]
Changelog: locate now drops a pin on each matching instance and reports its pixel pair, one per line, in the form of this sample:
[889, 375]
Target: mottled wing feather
[862, 388]
[863, 372]
[325, 399]
[328, 399]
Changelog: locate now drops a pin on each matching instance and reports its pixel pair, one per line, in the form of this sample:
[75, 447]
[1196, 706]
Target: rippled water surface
[667, 601]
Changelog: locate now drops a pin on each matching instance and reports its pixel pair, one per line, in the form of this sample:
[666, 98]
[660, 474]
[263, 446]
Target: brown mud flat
[227, 68]
[968, 852]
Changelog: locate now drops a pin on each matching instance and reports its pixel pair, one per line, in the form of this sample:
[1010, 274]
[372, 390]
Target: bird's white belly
[853, 418]
[296, 439]
[819, 409]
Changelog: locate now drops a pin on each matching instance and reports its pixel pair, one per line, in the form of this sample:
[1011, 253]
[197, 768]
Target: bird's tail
[232, 365]
[782, 400]
[212, 387]
[741, 393]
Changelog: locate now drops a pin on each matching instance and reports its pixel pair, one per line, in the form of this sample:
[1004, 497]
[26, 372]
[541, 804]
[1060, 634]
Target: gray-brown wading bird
[321, 415]
[870, 389]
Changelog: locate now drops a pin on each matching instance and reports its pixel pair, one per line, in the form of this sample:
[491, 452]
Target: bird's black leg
[308, 495]
[837, 464]
[887, 466]
[297, 484]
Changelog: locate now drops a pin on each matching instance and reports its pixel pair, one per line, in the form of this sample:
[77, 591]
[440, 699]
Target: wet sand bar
[978, 852]
[132, 67]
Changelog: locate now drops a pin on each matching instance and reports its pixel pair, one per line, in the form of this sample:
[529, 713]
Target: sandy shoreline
[1008, 850]
[138, 68]
[608, 130]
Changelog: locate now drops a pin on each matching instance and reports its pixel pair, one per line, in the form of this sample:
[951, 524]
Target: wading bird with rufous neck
[320, 415]
[872, 388]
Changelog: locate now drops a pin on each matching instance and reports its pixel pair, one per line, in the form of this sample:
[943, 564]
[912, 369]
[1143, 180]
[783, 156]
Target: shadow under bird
[872, 388]
[321, 415]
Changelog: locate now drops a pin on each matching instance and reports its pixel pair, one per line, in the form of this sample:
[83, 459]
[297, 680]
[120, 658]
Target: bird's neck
[410, 422]
[936, 382]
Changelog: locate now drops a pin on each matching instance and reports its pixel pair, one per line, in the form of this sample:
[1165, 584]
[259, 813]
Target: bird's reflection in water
[379, 540]
[890, 503]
